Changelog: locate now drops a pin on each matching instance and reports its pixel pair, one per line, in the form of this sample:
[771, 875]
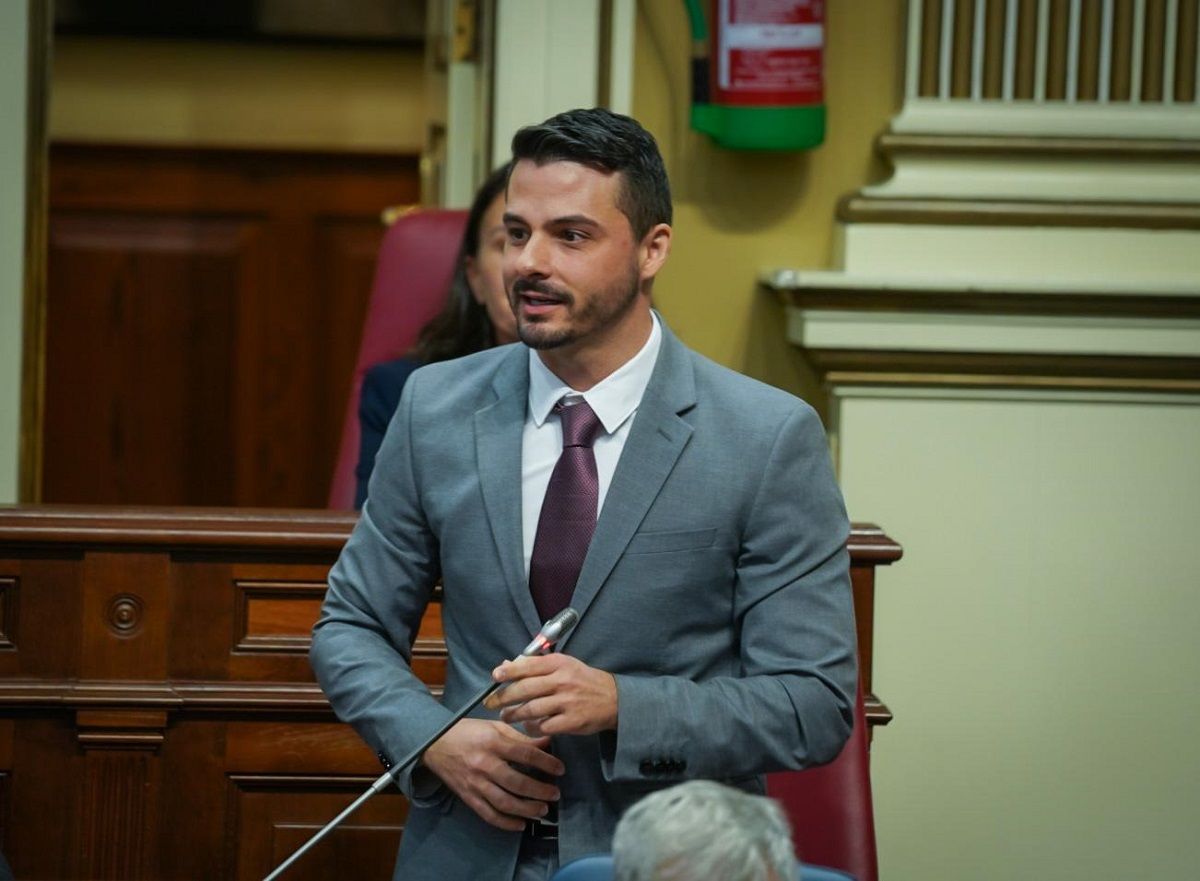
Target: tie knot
[580, 424]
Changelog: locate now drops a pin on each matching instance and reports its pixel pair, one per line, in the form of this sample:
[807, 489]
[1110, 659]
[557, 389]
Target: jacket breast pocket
[663, 542]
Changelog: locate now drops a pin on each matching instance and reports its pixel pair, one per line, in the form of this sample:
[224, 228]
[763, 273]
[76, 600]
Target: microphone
[551, 634]
[552, 631]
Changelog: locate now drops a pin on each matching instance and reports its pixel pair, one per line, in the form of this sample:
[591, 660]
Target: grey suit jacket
[715, 589]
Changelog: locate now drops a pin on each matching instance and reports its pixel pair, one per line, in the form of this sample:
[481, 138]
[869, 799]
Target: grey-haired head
[703, 830]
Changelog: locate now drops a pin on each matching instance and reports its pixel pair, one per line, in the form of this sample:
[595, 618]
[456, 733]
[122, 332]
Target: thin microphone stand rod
[554, 629]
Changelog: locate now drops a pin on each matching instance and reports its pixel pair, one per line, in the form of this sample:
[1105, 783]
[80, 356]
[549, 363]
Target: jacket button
[385, 761]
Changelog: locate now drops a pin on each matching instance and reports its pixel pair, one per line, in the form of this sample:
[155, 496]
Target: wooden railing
[158, 717]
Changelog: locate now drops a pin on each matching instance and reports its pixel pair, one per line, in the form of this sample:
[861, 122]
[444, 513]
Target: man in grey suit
[688, 513]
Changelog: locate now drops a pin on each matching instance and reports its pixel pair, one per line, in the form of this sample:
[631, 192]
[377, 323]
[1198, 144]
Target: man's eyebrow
[568, 220]
[574, 220]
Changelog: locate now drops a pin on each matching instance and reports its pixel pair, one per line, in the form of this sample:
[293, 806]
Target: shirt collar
[614, 399]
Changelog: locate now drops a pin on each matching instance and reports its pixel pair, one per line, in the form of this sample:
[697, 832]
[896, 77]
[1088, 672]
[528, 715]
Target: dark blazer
[716, 590]
[381, 387]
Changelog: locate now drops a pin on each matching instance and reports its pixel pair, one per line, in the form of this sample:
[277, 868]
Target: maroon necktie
[568, 515]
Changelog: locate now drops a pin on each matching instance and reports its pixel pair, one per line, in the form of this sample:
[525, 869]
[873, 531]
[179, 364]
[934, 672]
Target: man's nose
[533, 256]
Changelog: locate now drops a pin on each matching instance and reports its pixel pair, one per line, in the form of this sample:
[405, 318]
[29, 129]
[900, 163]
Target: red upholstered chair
[412, 276]
[830, 807]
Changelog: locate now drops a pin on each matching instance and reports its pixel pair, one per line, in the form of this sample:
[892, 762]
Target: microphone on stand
[551, 633]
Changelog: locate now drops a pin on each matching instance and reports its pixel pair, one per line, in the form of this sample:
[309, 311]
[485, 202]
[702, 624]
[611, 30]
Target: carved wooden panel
[57, 581]
[277, 616]
[274, 815]
[117, 816]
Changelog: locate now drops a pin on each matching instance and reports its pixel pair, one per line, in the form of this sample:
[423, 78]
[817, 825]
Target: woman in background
[476, 316]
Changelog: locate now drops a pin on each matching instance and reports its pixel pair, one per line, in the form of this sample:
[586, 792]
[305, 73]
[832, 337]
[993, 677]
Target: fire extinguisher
[756, 72]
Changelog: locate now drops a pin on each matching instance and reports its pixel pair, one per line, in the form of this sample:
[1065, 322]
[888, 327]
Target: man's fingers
[534, 726]
[513, 807]
[484, 809]
[522, 668]
[521, 690]
[527, 752]
[530, 710]
[521, 785]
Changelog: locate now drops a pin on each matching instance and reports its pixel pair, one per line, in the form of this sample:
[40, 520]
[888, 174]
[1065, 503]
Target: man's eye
[573, 235]
[516, 235]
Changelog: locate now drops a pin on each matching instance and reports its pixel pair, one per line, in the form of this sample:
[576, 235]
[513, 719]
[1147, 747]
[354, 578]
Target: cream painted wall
[1038, 640]
[737, 213]
[13, 56]
[203, 93]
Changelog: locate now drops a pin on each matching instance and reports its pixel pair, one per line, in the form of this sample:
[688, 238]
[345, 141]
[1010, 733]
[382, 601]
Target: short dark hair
[463, 326]
[607, 142]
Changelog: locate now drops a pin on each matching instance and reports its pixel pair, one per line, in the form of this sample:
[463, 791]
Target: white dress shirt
[614, 400]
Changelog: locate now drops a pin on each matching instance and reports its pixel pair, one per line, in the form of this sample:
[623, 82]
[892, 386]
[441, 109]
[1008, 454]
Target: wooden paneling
[8, 614]
[158, 715]
[272, 822]
[203, 315]
[139, 361]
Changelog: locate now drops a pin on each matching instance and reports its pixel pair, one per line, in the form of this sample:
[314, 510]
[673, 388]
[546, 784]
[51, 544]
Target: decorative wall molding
[120, 729]
[1029, 101]
[1132, 55]
[125, 611]
[275, 616]
[1042, 219]
[897, 143]
[860, 208]
[827, 290]
[858, 330]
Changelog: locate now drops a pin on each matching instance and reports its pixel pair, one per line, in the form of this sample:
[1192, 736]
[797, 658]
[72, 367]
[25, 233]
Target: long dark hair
[463, 326]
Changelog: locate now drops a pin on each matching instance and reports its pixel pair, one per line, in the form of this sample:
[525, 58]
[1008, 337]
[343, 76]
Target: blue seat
[600, 868]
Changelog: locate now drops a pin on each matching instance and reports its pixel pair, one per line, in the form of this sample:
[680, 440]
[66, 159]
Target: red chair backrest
[833, 821]
[412, 276]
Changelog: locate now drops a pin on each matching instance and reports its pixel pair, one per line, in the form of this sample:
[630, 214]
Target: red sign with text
[769, 52]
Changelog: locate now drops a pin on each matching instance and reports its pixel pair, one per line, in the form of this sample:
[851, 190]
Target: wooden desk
[158, 717]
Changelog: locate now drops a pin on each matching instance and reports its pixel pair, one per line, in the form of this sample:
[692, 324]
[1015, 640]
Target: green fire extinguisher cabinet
[757, 79]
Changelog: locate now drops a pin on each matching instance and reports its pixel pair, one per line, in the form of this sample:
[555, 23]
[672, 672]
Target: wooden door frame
[33, 336]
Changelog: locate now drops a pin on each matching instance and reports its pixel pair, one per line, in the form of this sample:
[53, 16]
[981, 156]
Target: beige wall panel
[1038, 642]
[1067, 180]
[1135, 260]
[547, 61]
[13, 55]
[176, 92]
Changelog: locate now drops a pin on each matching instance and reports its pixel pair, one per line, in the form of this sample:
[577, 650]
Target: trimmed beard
[600, 312]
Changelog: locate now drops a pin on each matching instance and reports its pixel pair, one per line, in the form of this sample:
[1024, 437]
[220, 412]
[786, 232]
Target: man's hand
[555, 694]
[475, 759]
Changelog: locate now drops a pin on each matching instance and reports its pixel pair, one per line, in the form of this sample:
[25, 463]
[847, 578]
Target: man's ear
[654, 250]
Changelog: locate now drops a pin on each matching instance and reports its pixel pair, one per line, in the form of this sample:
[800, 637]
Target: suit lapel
[656, 438]
[498, 430]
